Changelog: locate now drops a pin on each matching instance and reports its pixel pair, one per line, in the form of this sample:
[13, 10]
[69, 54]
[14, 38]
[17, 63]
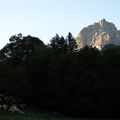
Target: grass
[29, 116]
[36, 116]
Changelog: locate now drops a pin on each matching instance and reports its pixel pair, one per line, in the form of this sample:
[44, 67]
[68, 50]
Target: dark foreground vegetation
[57, 77]
[31, 116]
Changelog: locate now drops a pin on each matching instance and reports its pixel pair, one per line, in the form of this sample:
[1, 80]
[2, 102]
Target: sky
[45, 18]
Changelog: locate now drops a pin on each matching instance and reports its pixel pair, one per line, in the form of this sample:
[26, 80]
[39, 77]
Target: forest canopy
[58, 77]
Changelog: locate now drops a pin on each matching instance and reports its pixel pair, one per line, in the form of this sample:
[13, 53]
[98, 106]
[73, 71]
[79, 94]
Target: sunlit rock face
[98, 35]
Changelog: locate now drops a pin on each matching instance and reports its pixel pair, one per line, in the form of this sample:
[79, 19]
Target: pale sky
[45, 18]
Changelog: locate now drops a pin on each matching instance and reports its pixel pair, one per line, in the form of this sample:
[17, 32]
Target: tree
[72, 45]
[20, 48]
[58, 44]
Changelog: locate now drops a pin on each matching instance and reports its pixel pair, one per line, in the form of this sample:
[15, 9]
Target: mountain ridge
[98, 35]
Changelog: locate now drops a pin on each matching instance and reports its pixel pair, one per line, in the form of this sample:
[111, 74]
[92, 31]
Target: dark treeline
[57, 77]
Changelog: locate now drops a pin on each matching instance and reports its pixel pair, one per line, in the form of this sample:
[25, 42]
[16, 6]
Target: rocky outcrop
[11, 104]
[98, 35]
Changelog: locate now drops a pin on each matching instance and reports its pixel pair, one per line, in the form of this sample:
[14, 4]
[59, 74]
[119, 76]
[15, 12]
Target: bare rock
[98, 35]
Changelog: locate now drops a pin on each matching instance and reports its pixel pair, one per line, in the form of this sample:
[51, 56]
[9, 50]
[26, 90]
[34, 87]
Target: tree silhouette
[72, 45]
[20, 48]
[58, 44]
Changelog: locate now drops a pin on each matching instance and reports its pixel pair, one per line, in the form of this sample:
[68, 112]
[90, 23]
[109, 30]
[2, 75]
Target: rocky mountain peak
[103, 22]
[98, 35]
